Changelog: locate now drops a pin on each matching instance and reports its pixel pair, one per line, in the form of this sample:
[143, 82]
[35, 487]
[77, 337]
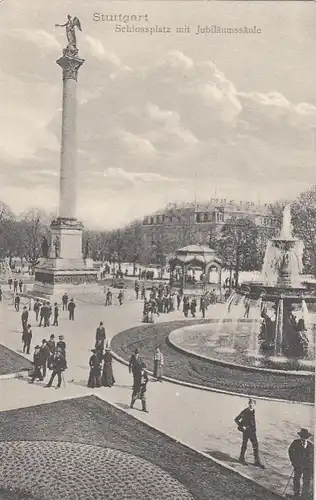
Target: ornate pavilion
[186, 263]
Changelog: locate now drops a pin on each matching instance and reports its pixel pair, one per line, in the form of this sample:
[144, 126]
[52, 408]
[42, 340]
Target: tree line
[240, 243]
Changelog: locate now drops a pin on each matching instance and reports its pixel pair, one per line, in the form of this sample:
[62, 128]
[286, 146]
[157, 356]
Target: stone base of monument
[54, 277]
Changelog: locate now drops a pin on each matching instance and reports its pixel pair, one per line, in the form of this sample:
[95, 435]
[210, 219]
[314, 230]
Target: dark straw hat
[304, 434]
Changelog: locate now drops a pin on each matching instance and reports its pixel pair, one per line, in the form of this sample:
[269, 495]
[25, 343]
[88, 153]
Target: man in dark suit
[45, 355]
[37, 362]
[43, 312]
[17, 301]
[135, 365]
[100, 338]
[140, 388]
[51, 344]
[59, 365]
[24, 318]
[71, 309]
[65, 301]
[246, 422]
[61, 344]
[301, 453]
[56, 314]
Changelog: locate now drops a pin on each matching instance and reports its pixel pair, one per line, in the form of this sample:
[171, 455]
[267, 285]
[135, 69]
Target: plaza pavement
[201, 419]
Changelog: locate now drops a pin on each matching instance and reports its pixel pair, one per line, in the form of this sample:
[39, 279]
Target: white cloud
[152, 131]
[41, 38]
[98, 50]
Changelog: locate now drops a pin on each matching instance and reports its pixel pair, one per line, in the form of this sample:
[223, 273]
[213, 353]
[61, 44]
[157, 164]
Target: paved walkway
[202, 419]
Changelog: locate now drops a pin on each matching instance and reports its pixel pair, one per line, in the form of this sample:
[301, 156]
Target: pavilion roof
[194, 254]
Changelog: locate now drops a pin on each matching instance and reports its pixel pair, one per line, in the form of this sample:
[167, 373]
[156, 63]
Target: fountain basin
[295, 294]
[204, 341]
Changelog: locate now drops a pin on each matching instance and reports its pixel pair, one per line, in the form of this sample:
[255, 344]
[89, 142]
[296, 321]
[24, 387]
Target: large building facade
[180, 225]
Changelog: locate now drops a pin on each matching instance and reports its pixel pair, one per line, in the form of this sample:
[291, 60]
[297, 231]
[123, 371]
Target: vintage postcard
[157, 250]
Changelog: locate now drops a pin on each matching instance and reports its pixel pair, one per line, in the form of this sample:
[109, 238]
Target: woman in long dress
[107, 373]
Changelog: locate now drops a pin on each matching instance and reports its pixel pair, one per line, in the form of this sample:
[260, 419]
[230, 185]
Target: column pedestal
[65, 269]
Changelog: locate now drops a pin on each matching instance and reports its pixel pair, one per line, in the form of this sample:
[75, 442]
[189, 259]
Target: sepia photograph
[157, 238]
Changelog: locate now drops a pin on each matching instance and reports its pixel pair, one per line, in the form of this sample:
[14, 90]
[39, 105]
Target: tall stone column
[64, 267]
[68, 160]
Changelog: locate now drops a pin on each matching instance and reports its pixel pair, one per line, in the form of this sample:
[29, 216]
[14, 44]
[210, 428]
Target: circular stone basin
[49, 470]
[235, 348]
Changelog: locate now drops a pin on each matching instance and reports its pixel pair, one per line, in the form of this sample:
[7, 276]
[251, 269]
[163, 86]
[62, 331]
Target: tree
[133, 242]
[237, 245]
[304, 226]
[7, 222]
[34, 226]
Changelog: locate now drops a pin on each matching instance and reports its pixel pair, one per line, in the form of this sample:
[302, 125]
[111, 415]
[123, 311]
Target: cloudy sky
[161, 118]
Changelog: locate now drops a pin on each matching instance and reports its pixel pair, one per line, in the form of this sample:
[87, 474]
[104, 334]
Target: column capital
[70, 66]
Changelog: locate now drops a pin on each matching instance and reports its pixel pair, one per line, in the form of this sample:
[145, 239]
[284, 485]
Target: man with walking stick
[301, 453]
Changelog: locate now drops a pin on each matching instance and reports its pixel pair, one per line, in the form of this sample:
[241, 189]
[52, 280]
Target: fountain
[282, 289]
[267, 323]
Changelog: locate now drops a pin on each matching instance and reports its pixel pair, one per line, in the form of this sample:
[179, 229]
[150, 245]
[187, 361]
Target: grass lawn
[10, 362]
[203, 372]
[71, 425]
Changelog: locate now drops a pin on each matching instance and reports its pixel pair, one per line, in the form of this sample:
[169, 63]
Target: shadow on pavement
[222, 456]
[123, 406]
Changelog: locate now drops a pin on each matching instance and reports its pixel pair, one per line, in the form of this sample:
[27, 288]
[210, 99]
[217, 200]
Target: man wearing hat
[45, 354]
[37, 362]
[59, 365]
[135, 364]
[301, 453]
[140, 388]
[61, 344]
[100, 338]
[246, 422]
[51, 344]
[71, 309]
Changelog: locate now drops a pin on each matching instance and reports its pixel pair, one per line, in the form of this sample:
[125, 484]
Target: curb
[209, 457]
[211, 389]
[8, 376]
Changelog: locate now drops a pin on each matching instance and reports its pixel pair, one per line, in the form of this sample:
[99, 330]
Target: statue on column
[45, 248]
[72, 23]
[57, 247]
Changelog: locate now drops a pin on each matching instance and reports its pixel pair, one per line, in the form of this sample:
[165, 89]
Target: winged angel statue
[71, 25]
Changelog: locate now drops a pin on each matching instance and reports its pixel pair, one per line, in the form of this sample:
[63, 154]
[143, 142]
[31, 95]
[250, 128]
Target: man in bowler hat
[59, 365]
[301, 453]
[246, 422]
[140, 388]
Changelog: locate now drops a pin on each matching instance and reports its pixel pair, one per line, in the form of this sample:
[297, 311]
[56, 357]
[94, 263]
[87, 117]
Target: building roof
[194, 254]
[195, 249]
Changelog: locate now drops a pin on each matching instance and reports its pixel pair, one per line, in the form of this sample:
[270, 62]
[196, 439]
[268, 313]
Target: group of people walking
[109, 297]
[51, 355]
[101, 369]
[16, 285]
[101, 375]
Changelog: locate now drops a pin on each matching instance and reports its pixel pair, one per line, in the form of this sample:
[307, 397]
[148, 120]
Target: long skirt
[94, 378]
[158, 369]
[107, 375]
